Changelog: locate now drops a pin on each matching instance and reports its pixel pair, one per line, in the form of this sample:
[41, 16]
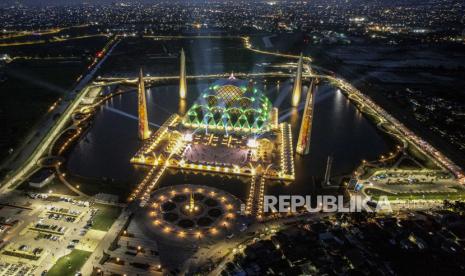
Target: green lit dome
[233, 104]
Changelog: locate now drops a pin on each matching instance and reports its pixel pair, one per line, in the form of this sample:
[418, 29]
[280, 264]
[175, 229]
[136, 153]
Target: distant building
[41, 178]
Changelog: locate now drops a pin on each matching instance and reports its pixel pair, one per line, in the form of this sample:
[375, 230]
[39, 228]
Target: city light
[149, 137]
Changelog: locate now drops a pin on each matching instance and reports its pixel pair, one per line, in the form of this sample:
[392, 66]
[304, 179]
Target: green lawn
[69, 264]
[105, 216]
[435, 196]
[423, 159]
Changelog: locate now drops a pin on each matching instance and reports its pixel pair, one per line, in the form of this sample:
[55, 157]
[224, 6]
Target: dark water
[338, 130]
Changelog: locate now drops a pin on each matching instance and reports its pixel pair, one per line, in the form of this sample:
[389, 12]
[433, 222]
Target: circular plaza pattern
[193, 211]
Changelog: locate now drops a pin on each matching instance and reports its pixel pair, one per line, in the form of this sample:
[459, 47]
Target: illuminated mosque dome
[230, 104]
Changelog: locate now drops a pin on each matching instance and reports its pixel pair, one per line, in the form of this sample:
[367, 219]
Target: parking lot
[36, 230]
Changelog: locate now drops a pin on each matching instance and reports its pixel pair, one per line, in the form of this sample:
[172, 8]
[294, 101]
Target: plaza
[192, 213]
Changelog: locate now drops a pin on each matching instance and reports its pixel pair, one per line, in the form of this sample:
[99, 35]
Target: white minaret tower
[297, 90]
[182, 76]
[144, 131]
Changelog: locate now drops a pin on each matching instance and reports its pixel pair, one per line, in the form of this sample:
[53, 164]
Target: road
[41, 32]
[56, 127]
[44, 41]
[422, 145]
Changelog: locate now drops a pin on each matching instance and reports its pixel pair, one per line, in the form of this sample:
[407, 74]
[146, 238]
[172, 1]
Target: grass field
[33, 83]
[423, 159]
[460, 194]
[105, 216]
[78, 48]
[203, 56]
[27, 94]
[408, 164]
[69, 264]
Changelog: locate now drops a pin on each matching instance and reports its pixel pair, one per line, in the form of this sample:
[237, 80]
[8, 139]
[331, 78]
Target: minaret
[144, 131]
[182, 76]
[297, 90]
[274, 118]
[303, 143]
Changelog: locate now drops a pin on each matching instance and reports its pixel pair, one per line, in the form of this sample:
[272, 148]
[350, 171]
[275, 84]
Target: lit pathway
[41, 149]
[254, 205]
[105, 243]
